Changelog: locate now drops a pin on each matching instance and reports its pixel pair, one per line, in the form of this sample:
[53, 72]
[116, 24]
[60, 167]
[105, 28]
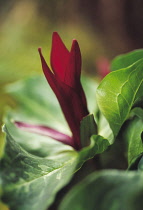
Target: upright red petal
[73, 71]
[48, 74]
[59, 56]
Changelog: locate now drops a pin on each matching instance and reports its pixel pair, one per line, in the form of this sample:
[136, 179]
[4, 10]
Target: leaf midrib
[44, 175]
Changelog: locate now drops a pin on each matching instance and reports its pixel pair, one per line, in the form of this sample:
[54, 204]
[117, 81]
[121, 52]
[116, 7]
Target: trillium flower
[64, 79]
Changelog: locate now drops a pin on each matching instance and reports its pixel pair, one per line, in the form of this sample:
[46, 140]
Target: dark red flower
[65, 82]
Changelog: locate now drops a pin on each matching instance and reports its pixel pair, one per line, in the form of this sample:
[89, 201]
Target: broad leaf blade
[118, 93]
[107, 190]
[25, 176]
[125, 60]
[31, 182]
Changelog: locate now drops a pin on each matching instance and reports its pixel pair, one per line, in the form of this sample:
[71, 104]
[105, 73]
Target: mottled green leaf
[125, 60]
[107, 190]
[30, 182]
[118, 92]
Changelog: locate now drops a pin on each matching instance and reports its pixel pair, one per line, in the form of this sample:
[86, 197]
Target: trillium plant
[75, 143]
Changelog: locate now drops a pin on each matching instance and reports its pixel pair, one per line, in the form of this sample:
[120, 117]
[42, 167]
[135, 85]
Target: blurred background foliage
[103, 29]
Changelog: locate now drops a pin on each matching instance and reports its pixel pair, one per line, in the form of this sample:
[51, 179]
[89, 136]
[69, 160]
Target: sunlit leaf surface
[118, 92]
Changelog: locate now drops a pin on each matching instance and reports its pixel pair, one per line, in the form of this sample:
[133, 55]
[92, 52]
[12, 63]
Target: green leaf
[107, 190]
[125, 60]
[31, 182]
[44, 167]
[132, 137]
[25, 176]
[97, 146]
[118, 92]
[88, 128]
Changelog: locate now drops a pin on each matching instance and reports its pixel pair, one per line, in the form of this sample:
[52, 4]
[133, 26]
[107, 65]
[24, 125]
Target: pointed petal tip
[74, 40]
[40, 51]
[39, 48]
[74, 44]
[55, 35]
[76, 49]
